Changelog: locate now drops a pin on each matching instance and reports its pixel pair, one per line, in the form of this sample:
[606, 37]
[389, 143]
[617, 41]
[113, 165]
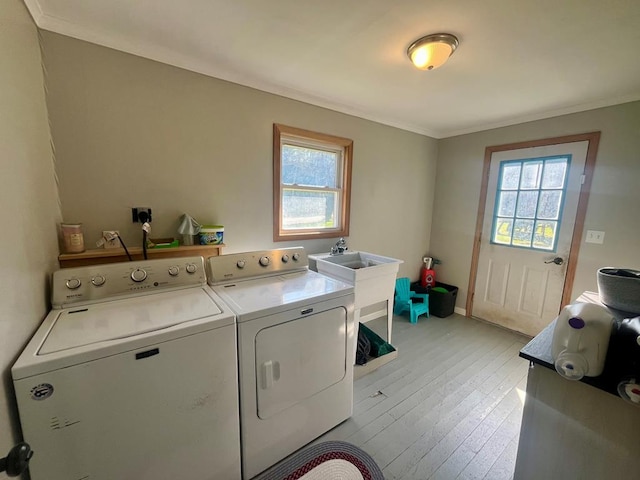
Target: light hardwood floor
[449, 407]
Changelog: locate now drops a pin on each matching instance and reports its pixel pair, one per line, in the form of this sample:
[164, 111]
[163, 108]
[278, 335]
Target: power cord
[146, 228]
[144, 217]
[125, 248]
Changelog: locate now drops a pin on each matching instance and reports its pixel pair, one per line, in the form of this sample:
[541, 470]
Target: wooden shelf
[114, 255]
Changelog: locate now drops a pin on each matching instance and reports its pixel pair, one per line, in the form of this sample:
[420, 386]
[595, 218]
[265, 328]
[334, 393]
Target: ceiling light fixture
[432, 51]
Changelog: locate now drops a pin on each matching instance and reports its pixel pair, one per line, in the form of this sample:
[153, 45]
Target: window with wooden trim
[311, 184]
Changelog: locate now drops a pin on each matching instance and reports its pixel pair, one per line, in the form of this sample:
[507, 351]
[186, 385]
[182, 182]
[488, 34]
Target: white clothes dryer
[132, 375]
[295, 350]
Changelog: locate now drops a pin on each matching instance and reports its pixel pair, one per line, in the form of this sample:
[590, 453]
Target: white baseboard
[461, 311]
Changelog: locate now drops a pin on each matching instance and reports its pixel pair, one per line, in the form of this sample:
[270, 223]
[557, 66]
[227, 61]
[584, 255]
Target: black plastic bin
[440, 304]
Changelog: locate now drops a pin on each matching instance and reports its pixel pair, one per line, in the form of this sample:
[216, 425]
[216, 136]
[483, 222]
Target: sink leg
[389, 318]
[356, 328]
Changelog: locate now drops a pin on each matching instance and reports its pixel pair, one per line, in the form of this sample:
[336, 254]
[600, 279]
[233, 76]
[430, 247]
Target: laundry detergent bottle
[581, 339]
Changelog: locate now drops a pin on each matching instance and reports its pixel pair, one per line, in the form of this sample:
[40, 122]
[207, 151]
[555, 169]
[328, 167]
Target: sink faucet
[339, 248]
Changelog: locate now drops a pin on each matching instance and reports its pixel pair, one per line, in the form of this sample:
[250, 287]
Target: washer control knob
[73, 283]
[138, 275]
[285, 258]
[296, 257]
[191, 268]
[98, 280]
[241, 264]
[174, 270]
[264, 261]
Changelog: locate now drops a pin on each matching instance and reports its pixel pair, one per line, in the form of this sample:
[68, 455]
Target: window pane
[531, 172]
[522, 233]
[503, 231]
[527, 202]
[549, 207]
[309, 166]
[302, 209]
[510, 176]
[545, 235]
[554, 173]
[507, 205]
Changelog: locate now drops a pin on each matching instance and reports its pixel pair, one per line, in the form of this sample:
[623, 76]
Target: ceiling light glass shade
[432, 51]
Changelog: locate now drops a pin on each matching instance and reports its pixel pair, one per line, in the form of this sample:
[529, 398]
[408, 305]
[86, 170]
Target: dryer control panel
[241, 266]
[73, 286]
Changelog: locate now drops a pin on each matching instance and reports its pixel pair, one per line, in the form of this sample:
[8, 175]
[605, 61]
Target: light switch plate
[595, 236]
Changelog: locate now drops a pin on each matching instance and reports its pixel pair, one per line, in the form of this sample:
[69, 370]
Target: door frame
[593, 139]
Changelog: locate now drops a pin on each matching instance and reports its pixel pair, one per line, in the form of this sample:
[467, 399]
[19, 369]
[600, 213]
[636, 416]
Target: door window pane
[554, 174]
[545, 235]
[522, 233]
[503, 231]
[549, 207]
[507, 204]
[531, 171]
[529, 202]
[511, 176]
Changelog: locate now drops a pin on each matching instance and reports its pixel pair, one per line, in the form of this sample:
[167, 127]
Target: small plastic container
[211, 234]
[72, 237]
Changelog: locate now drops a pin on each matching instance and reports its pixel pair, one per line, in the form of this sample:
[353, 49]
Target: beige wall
[30, 211]
[613, 204]
[133, 132]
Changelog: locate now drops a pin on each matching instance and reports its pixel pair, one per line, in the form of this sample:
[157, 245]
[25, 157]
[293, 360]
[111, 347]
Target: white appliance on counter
[295, 350]
[132, 375]
[580, 340]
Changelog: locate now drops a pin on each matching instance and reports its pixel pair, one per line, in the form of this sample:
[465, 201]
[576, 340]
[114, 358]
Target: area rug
[326, 461]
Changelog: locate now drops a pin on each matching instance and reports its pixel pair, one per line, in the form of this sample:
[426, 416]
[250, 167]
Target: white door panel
[496, 283]
[297, 359]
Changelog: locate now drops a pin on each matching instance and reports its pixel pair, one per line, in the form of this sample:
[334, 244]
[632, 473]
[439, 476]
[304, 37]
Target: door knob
[557, 261]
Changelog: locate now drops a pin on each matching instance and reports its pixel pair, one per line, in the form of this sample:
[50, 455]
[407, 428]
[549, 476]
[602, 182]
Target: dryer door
[299, 358]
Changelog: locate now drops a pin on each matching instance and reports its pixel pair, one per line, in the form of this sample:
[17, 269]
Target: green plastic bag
[379, 347]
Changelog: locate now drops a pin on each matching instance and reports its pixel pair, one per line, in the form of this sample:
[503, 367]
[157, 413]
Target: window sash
[335, 211]
[311, 145]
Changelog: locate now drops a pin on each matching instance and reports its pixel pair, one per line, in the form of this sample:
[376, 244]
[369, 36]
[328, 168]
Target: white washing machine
[132, 375]
[295, 349]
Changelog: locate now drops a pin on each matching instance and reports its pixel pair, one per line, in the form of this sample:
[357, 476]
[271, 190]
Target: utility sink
[355, 266]
[373, 277]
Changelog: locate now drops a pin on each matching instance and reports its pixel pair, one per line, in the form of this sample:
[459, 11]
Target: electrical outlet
[111, 238]
[140, 214]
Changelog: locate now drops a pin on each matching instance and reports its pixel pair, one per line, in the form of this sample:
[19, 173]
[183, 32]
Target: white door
[531, 205]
